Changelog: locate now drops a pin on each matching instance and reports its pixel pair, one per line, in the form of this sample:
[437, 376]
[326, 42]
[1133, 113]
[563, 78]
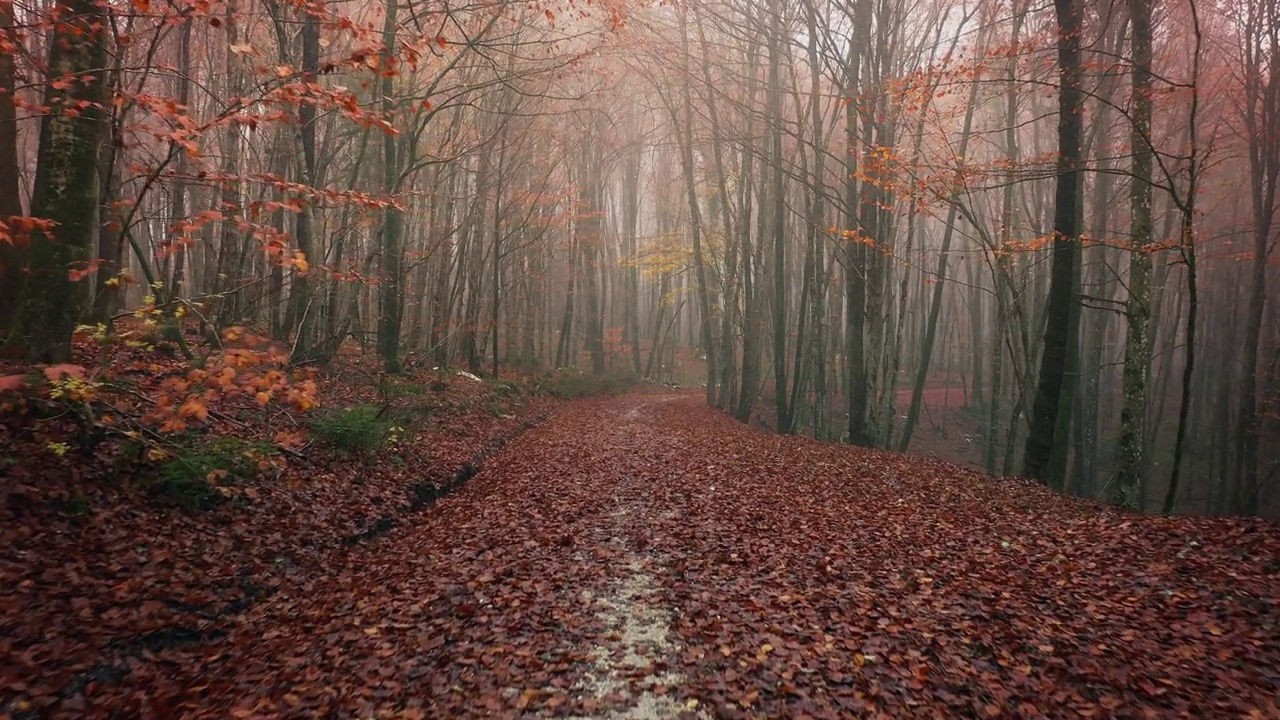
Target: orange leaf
[193, 407]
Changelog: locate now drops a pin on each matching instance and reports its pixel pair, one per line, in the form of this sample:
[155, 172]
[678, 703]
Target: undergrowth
[361, 428]
[573, 384]
[191, 478]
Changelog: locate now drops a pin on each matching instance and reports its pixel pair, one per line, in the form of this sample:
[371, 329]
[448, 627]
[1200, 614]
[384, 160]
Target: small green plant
[572, 384]
[495, 409]
[181, 485]
[358, 428]
[569, 384]
[190, 479]
[391, 388]
[76, 505]
[506, 389]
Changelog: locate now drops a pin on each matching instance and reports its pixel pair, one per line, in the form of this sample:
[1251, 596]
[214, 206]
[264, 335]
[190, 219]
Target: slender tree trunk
[496, 296]
[563, 356]
[630, 229]
[390, 302]
[1189, 255]
[178, 195]
[779, 218]
[301, 316]
[1046, 415]
[726, 349]
[751, 326]
[944, 255]
[817, 234]
[1137, 353]
[856, 248]
[706, 334]
[229, 195]
[1188, 369]
[589, 240]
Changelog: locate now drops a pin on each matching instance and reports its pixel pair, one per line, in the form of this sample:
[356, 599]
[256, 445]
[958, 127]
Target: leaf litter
[648, 557]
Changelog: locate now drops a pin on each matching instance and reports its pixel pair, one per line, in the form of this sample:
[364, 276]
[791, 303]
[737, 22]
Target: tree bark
[1137, 353]
[1046, 415]
[390, 302]
[66, 183]
[12, 257]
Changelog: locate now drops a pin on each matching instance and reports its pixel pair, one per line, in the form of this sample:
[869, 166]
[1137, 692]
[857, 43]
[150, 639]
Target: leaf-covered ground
[646, 557]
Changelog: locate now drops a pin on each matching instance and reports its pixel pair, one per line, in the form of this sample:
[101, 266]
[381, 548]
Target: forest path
[646, 557]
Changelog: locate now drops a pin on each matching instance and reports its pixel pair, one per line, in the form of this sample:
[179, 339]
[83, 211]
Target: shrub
[495, 409]
[506, 389]
[358, 428]
[190, 479]
[573, 384]
[391, 389]
[181, 484]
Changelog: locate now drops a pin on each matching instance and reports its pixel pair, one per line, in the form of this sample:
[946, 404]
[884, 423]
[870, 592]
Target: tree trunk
[779, 218]
[706, 334]
[856, 249]
[301, 317]
[1262, 123]
[1045, 415]
[390, 302]
[1137, 352]
[66, 183]
[589, 239]
[935, 306]
[752, 322]
[11, 253]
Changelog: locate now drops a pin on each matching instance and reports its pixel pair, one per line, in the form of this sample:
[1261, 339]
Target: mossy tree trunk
[1137, 356]
[66, 184]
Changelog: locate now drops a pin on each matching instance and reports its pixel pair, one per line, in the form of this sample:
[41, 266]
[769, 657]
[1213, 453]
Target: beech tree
[887, 223]
[64, 196]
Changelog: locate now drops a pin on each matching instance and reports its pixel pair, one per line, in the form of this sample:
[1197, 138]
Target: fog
[965, 230]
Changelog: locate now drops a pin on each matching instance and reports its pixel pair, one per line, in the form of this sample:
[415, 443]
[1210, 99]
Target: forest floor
[638, 556]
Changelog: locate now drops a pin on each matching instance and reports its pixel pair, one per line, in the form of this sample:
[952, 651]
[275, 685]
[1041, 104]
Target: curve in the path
[646, 557]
